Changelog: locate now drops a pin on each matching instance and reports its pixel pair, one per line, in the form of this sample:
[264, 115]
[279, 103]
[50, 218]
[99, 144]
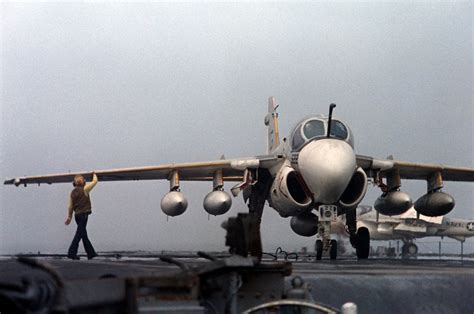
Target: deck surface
[375, 285]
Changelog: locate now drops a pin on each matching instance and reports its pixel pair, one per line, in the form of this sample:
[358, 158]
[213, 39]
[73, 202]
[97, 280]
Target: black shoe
[92, 256]
[75, 257]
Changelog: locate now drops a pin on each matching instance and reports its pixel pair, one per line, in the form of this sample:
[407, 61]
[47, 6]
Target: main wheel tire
[363, 243]
[319, 249]
[412, 249]
[333, 250]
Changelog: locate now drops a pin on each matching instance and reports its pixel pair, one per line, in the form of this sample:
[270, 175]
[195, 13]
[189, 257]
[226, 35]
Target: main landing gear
[359, 238]
[363, 243]
[409, 249]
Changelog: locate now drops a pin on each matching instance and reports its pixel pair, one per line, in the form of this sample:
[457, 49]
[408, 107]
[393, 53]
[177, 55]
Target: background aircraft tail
[271, 121]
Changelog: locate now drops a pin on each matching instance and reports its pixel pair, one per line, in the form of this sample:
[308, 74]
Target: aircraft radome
[313, 176]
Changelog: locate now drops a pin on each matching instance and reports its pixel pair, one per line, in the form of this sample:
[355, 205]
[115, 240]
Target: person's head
[79, 180]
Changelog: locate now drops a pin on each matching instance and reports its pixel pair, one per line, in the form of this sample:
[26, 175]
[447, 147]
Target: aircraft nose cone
[327, 166]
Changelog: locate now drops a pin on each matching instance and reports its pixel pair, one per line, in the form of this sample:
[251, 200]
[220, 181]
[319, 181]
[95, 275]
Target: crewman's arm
[90, 186]
[70, 208]
[69, 212]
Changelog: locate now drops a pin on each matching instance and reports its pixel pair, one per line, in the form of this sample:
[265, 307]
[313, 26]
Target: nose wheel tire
[319, 249]
[363, 243]
[333, 250]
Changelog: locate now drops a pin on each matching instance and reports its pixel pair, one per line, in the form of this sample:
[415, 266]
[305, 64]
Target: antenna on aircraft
[331, 108]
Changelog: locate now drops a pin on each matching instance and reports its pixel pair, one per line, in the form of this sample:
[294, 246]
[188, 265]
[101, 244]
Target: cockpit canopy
[316, 127]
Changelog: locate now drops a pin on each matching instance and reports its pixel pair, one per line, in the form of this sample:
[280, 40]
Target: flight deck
[121, 283]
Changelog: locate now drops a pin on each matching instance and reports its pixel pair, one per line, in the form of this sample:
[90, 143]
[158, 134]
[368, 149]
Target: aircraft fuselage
[325, 165]
[413, 228]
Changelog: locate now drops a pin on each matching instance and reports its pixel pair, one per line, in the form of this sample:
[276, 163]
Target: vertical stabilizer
[271, 121]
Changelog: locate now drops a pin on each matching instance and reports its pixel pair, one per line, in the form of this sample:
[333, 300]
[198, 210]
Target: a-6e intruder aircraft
[407, 227]
[312, 176]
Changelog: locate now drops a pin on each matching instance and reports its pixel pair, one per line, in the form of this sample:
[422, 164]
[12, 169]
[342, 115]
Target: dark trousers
[81, 234]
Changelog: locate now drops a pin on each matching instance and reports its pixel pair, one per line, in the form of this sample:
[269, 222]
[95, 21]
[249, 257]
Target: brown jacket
[79, 200]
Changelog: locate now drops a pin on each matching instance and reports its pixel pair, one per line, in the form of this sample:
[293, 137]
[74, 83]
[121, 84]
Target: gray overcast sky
[97, 86]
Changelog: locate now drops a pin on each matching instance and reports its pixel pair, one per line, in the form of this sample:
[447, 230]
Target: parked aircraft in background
[312, 176]
[408, 226]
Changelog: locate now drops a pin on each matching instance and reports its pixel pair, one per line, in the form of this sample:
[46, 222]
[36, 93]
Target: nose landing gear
[327, 214]
[332, 249]
[319, 249]
[359, 238]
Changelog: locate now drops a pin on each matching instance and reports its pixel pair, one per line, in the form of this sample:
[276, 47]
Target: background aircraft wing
[412, 214]
[410, 170]
[232, 170]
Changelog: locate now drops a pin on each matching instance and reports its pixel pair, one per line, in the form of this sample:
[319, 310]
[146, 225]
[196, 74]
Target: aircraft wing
[417, 171]
[411, 214]
[232, 170]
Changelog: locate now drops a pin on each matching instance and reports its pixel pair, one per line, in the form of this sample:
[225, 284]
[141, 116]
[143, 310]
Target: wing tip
[15, 182]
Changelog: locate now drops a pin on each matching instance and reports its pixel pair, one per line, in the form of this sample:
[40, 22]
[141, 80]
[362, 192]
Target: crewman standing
[80, 205]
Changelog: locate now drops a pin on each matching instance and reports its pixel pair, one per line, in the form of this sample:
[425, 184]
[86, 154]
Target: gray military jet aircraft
[409, 226]
[312, 176]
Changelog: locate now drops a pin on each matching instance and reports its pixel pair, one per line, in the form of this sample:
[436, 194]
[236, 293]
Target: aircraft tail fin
[271, 121]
